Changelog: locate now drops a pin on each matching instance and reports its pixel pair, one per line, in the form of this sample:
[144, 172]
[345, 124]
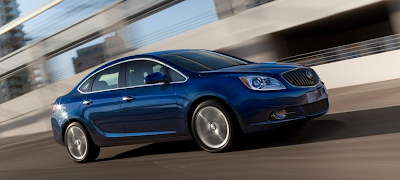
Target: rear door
[102, 105]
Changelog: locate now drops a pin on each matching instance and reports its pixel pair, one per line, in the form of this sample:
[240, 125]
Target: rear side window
[107, 79]
[85, 86]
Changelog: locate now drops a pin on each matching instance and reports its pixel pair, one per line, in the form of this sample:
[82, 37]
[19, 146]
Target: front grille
[316, 107]
[299, 77]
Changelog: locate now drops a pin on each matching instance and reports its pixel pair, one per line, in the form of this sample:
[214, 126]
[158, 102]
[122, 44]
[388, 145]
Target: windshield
[203, 60]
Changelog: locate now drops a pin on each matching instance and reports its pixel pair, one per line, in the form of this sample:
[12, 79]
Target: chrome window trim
[130, 87]
[281, 76]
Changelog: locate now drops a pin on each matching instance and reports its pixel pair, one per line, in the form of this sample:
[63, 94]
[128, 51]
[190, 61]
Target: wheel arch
[70, 121]
[221, 100]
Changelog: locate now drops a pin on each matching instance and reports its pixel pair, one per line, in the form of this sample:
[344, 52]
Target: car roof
[159, 53]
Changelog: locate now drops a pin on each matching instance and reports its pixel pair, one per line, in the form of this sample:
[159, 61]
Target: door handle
[87, 102]
[127, 98]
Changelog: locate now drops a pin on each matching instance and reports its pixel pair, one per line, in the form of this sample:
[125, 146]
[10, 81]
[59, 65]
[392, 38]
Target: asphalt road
[351, 145]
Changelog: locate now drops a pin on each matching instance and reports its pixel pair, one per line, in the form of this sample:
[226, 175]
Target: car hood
[268, 68]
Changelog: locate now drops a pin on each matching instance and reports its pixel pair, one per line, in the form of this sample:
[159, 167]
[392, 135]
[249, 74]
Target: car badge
[309, 75]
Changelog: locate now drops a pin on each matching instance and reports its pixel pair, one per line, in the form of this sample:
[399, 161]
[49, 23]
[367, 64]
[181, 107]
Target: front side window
[107, 79]
[136, 72]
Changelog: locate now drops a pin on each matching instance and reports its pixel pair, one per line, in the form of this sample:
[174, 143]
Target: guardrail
[345, 52]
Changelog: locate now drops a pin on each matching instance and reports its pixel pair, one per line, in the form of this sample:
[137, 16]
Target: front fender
[197, 89]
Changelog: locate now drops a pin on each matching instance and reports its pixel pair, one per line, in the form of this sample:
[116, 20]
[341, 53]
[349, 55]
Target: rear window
[203, 60]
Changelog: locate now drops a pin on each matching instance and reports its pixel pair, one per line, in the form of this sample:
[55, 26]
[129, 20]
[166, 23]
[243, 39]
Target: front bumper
[301, 104]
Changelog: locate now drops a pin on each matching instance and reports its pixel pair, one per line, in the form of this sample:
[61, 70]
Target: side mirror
[154, 78]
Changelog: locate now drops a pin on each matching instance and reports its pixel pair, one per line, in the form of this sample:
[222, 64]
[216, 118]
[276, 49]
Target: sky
[25, 6]
[175, 20]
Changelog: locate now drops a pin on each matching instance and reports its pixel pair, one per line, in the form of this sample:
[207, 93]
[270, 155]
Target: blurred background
[48, 46]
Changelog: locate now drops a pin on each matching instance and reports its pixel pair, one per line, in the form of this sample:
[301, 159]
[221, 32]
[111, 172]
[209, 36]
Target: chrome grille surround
[300, 77]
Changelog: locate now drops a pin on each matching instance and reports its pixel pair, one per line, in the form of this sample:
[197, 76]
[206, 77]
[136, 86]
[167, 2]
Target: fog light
[279, 114]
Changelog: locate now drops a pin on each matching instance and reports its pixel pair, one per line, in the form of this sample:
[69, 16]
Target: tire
[213, 126]
[79, 144]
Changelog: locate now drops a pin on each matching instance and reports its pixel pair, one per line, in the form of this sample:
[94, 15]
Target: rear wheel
[79, 144]
[212, 126]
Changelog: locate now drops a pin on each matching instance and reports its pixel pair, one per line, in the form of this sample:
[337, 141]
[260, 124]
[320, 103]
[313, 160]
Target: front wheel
[79, 144]
[212, 126]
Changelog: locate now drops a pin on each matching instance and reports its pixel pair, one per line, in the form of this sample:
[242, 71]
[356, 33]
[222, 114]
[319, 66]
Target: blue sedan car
[182, 94]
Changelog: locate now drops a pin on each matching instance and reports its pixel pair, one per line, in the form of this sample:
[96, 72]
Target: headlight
[262, 83]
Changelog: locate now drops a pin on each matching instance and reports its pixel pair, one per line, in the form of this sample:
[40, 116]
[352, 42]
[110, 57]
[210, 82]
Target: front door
[148, 111]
